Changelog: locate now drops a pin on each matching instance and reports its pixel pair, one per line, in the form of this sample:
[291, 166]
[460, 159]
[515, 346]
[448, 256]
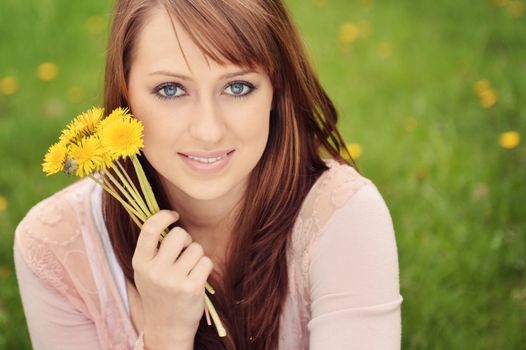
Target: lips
[207, 162]
[214, 154]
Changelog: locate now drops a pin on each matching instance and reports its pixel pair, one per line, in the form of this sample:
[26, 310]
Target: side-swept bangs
[236, 31]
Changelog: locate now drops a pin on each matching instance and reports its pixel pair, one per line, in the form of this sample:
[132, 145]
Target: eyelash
[158, 88]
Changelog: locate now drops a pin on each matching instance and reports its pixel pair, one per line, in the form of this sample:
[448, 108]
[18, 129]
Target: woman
[300, 250]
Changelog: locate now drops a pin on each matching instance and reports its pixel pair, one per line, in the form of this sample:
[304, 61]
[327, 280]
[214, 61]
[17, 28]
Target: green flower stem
[128, 207]
[209, 288]
[133, 214]
[215, 317]
[125, 173]
[126, 194]
[132, 191]
[145, 185]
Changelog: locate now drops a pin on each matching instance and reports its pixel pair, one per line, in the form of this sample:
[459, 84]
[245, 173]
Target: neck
[208, 221]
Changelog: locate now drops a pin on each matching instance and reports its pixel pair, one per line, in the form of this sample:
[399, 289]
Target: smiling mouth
[207, 159]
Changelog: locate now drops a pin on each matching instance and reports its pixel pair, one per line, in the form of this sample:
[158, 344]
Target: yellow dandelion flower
[55, 158]
[8, 85]
[122, 137]
[118, 113]
[488, 98]
[87, 156]
[3, 203]
[516, 9]
[83, 125]
[47, 71]
[355, 149]
[510, 139]
[480, 86]
[349, 32]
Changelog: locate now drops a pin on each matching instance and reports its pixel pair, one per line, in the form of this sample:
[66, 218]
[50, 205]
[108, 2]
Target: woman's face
[205, 125]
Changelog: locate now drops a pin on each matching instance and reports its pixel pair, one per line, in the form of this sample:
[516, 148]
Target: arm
[354, 278]
[53, 323]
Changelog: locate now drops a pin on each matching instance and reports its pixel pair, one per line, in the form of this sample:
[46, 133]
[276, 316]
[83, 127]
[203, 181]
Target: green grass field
[403, 75]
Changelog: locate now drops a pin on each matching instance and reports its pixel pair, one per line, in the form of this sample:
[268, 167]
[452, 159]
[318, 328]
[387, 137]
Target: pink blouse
[342, 264]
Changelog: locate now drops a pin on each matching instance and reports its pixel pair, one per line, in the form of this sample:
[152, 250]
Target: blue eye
[168, 90]
[240, 89]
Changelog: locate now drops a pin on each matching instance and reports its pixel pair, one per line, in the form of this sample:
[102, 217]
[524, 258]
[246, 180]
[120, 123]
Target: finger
[188, 259]
[172, 245]
[201, 271]
[148, 239]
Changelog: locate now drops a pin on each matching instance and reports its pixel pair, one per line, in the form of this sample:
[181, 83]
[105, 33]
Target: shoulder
[51, 229]
[55, 218]
[341, 200]
[333, 189]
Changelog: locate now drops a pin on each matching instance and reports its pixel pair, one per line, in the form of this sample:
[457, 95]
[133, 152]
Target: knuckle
[177, 231]
[196, 248]
[177, 234]
[183, 234]
[148, 230]
[208, 262]
[158, 219]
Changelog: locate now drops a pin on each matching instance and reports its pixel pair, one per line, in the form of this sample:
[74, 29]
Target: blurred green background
[431, 96]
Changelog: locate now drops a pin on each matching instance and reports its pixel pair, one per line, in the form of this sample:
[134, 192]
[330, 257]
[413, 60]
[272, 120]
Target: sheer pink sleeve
[52, 321]
[69, 297]
[354, 278]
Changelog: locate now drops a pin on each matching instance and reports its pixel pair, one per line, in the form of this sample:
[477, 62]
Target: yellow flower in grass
[3, 203]
[8, 85]
[55, 158]
[488, 98]
[83, 125]
[516, 9]
[122, 137]
[349, 32]
[86, 157]
[47, 71]
[481, 85]
[510, 139]
[355, 149]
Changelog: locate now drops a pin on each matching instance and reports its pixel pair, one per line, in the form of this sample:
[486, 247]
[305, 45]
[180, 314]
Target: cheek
[252, 130]
[253, 121]
[158, 130]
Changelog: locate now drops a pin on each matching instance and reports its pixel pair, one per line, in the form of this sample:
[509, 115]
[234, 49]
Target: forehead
[162, 43]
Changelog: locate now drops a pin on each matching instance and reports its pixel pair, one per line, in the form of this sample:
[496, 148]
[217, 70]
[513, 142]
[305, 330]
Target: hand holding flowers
[94, 146]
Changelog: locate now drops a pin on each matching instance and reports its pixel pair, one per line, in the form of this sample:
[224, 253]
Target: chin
[205, 194]
[195, 189]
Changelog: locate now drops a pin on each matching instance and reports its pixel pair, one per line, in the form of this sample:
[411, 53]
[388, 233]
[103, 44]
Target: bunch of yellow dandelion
[93, 144]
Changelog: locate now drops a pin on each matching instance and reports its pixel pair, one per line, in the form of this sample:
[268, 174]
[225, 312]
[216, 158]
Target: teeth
[207, 160]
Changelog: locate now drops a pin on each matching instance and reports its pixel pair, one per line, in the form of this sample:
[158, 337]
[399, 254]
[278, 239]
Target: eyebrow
[184, 77]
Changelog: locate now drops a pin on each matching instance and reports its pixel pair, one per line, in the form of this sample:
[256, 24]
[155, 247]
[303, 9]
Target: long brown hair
[250, 295]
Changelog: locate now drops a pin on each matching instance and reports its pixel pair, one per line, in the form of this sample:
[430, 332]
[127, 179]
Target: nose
[207, 124]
